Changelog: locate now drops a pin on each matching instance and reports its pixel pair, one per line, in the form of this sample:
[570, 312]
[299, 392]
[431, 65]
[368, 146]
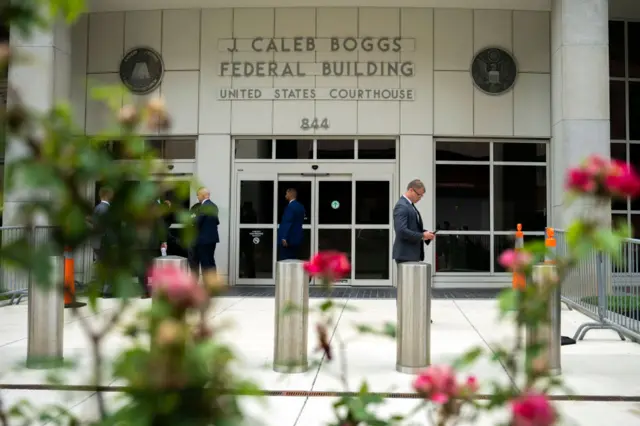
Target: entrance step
[363, 292]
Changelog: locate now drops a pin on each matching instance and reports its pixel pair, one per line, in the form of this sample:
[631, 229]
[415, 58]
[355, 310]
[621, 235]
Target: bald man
[207, 236]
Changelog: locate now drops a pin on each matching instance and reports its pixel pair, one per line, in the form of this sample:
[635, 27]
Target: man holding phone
[411, 237]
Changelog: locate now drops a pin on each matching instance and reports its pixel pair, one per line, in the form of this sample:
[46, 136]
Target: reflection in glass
[291, 149]
[501, 243]
[256, 253]
[335, 239]
[618, 110]
[462, 151]
[634, 110]
[256, 201]
[384, 149]
[372, 254]
[521, 152]
[179, 149]
[304, 253]
[304, 196]
[335, 149]
[462, 197]
[254, 149]
[334, 202]
[512, 204]
[616, 49]
[462, 253]
[372, 202]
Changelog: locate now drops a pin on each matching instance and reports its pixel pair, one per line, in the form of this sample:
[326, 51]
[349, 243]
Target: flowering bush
[449, 400]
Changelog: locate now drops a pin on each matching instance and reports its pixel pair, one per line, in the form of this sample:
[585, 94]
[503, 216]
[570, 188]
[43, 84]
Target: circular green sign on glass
[335, 204]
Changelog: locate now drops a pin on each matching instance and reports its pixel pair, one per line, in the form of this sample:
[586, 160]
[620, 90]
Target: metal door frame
[356, 171]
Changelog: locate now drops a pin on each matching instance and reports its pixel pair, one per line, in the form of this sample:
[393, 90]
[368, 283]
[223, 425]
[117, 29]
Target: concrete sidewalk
[601, 366]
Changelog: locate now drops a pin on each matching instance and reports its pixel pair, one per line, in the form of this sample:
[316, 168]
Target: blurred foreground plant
[187, 378]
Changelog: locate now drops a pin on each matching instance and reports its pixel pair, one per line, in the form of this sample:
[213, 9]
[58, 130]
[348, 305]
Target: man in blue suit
[207, 236]
[290, 233]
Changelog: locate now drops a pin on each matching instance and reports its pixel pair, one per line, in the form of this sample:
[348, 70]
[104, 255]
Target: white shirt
[406, 198]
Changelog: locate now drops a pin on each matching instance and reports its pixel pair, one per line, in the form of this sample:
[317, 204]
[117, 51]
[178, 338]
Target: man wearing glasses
[411, 236]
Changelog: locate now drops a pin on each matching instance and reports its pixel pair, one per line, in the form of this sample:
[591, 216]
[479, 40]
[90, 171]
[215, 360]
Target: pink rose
[439, 384]
[532, 409]
[179, 287]
[622, 180]
[579, 180]
[515, 260]
[328, 265]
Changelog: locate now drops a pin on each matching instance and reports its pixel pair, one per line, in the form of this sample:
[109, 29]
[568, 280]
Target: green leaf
[390, 329]
[508, 300]
[468, 358]
[326, 305]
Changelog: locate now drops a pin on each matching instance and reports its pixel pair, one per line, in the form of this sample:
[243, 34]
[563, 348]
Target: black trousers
[204, 256]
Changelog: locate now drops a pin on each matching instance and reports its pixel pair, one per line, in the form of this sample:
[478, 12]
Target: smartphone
[435, 232]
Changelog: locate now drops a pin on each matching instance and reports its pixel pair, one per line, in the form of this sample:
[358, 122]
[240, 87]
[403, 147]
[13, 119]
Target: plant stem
[344, 373]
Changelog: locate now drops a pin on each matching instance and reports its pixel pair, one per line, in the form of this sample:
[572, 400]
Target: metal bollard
[291, 328]
[414, 317]
[548, 334]
[46, 319]
[179, 261]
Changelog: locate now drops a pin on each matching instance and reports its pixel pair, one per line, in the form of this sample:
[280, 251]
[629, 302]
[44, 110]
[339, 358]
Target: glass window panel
[256, 201]
[616, 48]
[618, 219]
[291, 149]
[520, 196]
[502, 243]
[372, 254]
[618, 110]
[522, 152]
[462, 151]
[304, 252]
[179, 149]
[336, 149]
[619, 151]
[462, 197]
[633, 39]
[256, 253]
[384, 149]
[462, 253]
[634, 110]
[372, 203]
[304, 196]
[634, 159]
[635, 225]
[335, 239]
[254, 149]
[334, 202]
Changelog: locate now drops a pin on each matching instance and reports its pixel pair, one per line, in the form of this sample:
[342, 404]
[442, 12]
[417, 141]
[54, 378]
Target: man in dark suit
[411, 237]
[207, 236]
[290, 234]
[102, 236]
[191, 253]
[151, 237]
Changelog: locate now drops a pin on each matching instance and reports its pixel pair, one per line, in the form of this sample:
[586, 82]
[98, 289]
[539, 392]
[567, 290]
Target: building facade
[486, 101]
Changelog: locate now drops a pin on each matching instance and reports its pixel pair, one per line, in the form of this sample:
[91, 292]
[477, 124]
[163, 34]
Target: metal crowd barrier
[14, 283]
[606, 291]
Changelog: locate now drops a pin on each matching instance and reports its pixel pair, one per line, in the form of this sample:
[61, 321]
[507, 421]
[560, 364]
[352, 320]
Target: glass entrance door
[350, 213]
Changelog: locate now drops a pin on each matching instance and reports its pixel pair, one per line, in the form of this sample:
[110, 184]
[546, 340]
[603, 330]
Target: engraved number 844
[315, 124]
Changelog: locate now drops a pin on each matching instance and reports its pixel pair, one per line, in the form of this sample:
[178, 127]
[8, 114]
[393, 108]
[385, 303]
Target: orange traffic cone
[69, 281]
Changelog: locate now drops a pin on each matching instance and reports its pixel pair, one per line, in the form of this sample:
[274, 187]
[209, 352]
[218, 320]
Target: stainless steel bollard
[179, 261]
[46, 319]
[414, 317]
[548, 334]
[291, 328]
